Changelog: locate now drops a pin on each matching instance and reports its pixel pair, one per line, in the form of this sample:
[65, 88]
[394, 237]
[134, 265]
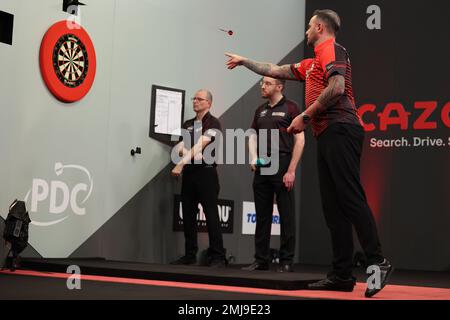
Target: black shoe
[218, 263]
[16, 263]
[257, 266]
[12, 263]
[185, 260]
[333, 284]
[386, 270]
[285, 267]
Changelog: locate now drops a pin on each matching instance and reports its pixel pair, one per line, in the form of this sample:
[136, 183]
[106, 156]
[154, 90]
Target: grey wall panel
[142, 229]
[138, 43]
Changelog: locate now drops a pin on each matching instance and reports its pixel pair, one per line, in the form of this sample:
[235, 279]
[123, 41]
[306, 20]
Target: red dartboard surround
[68, 62]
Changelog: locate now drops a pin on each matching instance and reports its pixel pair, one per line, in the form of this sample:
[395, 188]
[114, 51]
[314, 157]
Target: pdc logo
[57, 197]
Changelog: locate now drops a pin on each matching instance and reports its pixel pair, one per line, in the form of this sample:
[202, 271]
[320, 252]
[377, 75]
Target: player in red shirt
[331, 111]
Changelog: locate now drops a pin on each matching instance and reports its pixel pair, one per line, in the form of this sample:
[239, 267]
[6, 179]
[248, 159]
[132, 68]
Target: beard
[310, 41]
[265, 95]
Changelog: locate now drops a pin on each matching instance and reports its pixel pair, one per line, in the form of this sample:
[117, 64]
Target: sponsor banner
[249, 219]
[226, 213]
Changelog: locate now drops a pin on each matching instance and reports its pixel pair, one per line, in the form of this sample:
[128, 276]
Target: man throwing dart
[331, 112]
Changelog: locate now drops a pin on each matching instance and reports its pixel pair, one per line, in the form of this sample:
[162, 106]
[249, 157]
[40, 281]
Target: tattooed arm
[329, 96]
[262, 68]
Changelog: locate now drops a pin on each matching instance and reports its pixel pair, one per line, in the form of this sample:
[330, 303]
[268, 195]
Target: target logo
[67, 61]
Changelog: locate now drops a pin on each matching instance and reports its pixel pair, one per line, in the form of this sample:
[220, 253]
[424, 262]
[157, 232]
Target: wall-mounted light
[6, 27]
[71, 6]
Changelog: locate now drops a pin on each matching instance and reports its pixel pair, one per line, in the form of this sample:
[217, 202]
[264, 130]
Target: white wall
[138, 43]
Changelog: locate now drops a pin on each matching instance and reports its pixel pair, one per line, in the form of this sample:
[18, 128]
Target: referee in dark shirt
[200, 182]
[276, 114]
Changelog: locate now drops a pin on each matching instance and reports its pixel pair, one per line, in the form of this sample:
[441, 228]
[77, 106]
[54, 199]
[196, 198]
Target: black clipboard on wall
[166, 114]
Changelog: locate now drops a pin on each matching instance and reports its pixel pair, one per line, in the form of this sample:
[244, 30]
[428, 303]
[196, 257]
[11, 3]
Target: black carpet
[41, 287]
[229, 276]
[36, 288]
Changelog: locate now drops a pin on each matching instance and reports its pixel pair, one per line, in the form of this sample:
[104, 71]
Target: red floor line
[390, 292]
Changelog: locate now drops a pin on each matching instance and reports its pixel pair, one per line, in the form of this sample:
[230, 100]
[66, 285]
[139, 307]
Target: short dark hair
[330, 18]
[281, 81]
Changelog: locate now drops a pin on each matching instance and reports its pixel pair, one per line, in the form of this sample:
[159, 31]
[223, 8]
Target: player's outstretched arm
[262, 68]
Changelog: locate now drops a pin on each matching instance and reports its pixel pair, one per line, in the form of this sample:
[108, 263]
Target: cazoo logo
[59, 196]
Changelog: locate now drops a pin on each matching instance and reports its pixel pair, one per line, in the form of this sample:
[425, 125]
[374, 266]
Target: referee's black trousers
[264, 189]
[201, 185]
[344, 201]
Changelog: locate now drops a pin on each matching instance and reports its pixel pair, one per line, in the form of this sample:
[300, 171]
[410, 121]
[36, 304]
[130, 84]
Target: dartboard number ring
[68, 62]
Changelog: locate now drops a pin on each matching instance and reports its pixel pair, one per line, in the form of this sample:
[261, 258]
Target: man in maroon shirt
[331, 111]
[200, 182]
[276, 113]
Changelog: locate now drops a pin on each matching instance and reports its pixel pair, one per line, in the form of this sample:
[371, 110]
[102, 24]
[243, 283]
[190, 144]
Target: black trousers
[265, 187]
[344, 201]
[201, 185]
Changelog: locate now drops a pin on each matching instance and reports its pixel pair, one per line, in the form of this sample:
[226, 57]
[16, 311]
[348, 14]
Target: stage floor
[101, 279]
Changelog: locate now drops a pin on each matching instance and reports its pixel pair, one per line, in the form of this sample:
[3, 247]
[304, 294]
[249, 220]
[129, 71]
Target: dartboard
[67, 61]
[70, 60]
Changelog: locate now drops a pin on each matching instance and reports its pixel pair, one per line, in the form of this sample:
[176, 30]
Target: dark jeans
[264, 189]
[201, 185]
[343, 198]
